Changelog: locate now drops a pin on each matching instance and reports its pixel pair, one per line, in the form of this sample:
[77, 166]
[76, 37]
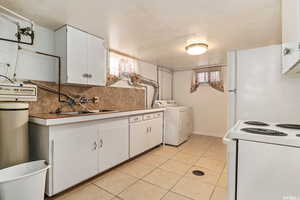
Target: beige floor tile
[205, 153]
[136, 169]
[175, 166]
[210, 177]
[162, 178]
[223, 180]
[218, 147]
[221, 156]
[226, 168]
[193, 188]
[174, 196]
[166, 151]
[115, 182]
[194, 150]
[215, 165]
[152, 159]
[143, 191]
[219, 194]
[185, 158]
[90, 192]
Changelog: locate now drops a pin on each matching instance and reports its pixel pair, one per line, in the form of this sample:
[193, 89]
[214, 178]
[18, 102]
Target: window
[208, 76]
[202, 77]
[211, 76]
[214, 76]
[118, 64]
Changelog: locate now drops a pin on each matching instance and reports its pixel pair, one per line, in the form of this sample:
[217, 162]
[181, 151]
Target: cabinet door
[76, 56]
[113, 143]
[154, 136]
[96, 61]
[75, 156]
[138, 138]
[290, 33]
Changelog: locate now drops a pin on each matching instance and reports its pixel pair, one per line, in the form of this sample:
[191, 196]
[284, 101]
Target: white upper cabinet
[291, 36]
[83, 57]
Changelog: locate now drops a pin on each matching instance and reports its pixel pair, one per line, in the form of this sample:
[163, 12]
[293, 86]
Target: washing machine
[178, 122]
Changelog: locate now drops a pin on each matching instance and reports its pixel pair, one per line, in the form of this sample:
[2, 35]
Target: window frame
[209, 72]
[206, 78]
[219, 76]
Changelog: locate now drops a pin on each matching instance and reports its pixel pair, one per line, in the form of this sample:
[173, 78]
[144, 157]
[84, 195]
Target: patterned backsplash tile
[113, 98]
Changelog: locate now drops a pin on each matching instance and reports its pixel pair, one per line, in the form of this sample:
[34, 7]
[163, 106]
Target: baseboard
[208, 134]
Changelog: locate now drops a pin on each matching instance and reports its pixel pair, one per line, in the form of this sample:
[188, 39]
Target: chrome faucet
[81, 101]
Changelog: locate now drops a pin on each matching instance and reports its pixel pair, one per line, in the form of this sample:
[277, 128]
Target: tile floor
[164, 173]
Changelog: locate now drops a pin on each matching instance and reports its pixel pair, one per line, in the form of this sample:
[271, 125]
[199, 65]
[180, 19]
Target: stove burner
[290, 126]
[262, 131]
[256, 123]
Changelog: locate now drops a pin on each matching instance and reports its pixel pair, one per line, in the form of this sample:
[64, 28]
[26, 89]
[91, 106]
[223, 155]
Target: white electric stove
[263, 161]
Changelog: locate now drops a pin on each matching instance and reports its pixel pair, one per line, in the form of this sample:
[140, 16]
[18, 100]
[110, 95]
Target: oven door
[267, 171]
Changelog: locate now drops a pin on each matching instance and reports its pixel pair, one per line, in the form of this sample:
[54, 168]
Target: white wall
[147, 70]
[165, 77]
[209, 105]
[29, 65]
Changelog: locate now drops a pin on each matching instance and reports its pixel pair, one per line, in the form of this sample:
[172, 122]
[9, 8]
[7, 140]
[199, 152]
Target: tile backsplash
[114, 98]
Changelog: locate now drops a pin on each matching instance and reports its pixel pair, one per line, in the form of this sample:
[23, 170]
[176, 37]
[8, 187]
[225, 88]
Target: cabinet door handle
[286, 51]
[101, 143]
[85, 75]
[90, 75]
[95, 146]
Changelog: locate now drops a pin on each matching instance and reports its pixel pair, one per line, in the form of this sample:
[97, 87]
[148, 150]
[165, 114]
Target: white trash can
[24, 181]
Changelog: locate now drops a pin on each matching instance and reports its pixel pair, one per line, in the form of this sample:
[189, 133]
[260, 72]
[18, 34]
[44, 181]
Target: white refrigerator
[258, 90]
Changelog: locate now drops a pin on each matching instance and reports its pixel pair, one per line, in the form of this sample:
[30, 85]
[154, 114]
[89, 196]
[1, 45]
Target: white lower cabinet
[79, 151]
[74, 156]
[138, 138]
[155, 133]
[113, 143]
[145, 133]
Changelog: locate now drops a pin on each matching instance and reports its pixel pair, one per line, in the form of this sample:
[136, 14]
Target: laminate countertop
[48, 119]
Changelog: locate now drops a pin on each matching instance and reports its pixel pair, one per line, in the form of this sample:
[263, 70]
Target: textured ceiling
[158, 30]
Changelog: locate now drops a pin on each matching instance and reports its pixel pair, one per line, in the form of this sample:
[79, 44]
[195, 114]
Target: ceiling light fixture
[196, 48]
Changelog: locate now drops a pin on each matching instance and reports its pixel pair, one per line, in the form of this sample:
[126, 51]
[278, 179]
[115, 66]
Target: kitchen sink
[74, 113]
[107, 110]
[86, 112]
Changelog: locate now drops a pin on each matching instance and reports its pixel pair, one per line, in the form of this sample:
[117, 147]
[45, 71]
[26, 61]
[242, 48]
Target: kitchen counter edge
[75, 119]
